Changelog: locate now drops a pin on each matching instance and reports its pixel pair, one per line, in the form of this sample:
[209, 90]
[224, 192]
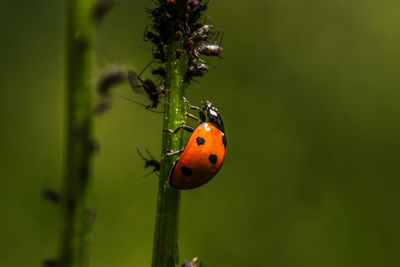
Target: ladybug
[152, 162]
[204, 153]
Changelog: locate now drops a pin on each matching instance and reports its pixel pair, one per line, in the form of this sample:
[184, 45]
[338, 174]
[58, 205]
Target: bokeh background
[309, 93]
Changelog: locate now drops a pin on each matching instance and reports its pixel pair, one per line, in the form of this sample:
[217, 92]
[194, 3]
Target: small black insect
[51, 263]
[152, 37]
[111, 75]
[152, 162]
[159, 54]
[192, 263]
[102, 106]
[195, 70]
[160, 71]
[146, 86]
[101, 8]
[51, 195]
[197, 8]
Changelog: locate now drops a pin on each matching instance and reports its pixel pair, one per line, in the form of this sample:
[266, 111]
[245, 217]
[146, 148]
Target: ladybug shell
[201, 159]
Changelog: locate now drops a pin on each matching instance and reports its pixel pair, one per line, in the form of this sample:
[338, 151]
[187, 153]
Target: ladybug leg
[193, 117]
[190, 106]
[174, 152]
[184, 127]
[201, 112]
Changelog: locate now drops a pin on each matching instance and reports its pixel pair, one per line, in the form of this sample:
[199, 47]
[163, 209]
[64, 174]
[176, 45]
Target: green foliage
[308, 91]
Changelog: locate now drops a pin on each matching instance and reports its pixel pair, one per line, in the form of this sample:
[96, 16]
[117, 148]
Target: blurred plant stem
[165, 251]
[76, 216]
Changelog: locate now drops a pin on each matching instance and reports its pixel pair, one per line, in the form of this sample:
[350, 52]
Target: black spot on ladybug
[186, 171]
[213, 158]
[200, 141]
[224, 140]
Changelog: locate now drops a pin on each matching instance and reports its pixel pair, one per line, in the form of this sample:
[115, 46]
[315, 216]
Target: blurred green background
[309, 94]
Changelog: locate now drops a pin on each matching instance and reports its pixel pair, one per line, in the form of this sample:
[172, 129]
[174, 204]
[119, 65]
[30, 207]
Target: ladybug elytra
[204, 153]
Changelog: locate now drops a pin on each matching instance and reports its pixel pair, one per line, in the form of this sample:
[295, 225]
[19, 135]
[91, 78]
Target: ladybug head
[213, 115]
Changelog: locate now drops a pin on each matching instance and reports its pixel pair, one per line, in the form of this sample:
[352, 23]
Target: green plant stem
[165, 251]
[76, 216]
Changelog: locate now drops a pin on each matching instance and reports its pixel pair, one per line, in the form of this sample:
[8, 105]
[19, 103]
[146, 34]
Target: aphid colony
[204, 153]
[180, 19]
[177, 21]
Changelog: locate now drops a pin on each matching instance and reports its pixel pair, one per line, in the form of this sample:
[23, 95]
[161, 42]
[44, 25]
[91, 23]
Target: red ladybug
[204, 153]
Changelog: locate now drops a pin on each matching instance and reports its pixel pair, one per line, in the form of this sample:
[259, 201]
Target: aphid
[112, 75]
[94, 146]
[51, 195]
[208, 50]
[204, 154]
[102, 106]
[160, 15]
[200, 8]
[203, 30]
[152, 37]
[147, 86]
[201, 66]
[197, 12]
[178, 35]
[101, 8]
[162, 90]
[178, 53]
[160, 71]
[159, 54]
[195, 70]
[51, 263]
[192, 263]
[189, 44]
[152, 162]
[194, 3]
